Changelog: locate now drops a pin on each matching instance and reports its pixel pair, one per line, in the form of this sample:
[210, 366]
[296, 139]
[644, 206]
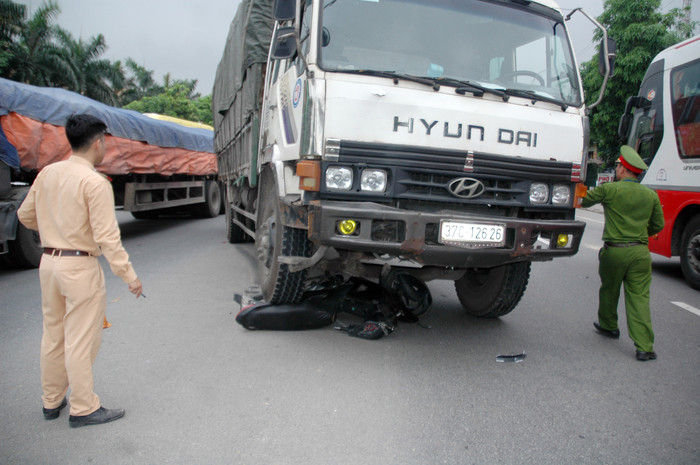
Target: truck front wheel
[493, 292]
[273, 239]
[690, 252]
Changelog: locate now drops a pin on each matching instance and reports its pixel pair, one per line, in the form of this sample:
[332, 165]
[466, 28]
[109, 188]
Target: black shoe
[645, 356]
[99, 416]
[53, 413]
[612, 333]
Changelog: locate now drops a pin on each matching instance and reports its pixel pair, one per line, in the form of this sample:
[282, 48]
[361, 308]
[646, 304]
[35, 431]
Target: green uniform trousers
[631, 266]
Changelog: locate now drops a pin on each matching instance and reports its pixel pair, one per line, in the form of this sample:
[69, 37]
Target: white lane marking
[685, 306]
[592, 247]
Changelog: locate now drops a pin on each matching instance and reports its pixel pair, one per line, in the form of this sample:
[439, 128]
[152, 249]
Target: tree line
[641, 31]
[34, 50]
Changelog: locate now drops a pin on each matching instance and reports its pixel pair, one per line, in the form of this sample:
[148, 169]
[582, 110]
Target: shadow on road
[668, 268]
[132, 228]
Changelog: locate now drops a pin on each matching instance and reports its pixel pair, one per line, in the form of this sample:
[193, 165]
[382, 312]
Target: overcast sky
[186, 37]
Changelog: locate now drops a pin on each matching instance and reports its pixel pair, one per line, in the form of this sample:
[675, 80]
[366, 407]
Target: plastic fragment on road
[512, 358]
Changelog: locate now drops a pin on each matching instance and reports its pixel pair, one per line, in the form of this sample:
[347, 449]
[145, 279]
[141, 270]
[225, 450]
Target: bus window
[647, 128]
[685, 98]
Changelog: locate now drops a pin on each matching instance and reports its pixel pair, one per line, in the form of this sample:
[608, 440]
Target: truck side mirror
[285, 9]
[610, 58]
[285, 45]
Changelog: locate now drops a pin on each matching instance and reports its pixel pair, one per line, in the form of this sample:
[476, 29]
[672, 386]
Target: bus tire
[690, 252]
[493, 292]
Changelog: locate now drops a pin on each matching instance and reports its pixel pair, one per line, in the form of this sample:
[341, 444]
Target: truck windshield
[489, 44]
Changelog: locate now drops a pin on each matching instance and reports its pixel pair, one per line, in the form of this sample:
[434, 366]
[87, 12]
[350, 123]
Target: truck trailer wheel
[212, 201]
[272, 239]
[493, 292]
[690, 252]
[25, 251]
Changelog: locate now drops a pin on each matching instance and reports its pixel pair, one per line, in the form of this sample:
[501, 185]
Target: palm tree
[11, 17]
[89, 74]
[34, 58]
[185, 86]
[138, 83]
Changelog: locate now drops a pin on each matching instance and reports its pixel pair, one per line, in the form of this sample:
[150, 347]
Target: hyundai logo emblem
[466, 188]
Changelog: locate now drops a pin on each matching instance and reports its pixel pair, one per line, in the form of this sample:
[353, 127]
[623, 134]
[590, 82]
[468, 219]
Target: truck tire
[25, 251]
[212, 201]
[493, 292]
[690, 252]
[234, 233]
[272, 239]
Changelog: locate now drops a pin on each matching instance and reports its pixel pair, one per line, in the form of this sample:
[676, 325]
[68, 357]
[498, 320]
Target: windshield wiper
[534, 96]
[474, 88]
[462, 87]
[392, 75]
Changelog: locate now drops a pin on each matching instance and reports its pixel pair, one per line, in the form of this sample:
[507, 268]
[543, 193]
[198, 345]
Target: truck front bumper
[411, 235]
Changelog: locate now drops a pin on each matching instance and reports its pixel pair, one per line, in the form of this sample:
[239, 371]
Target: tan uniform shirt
[72, 207]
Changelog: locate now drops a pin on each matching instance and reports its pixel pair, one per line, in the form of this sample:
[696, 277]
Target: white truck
[371, 138]
[663, 124]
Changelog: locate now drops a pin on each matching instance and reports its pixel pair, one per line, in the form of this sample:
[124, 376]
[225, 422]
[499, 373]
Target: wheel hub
[266, 243]
[694, 253]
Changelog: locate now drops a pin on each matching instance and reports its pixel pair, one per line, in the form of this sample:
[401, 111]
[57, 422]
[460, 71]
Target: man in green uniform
[632, 214]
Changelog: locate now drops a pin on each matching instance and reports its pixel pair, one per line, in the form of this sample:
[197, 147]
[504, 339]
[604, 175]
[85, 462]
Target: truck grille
[425, 173]
[434, 186]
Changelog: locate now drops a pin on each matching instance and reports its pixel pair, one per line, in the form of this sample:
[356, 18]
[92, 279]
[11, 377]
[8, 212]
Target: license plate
[472, 234]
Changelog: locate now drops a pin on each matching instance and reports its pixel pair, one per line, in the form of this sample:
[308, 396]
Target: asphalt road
[200, 389]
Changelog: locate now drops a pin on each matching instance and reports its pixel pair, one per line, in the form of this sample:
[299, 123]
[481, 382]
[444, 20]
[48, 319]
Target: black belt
[622, 244]
[65, 252]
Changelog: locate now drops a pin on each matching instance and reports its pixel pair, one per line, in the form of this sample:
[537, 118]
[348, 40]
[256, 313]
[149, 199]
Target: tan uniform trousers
[73, 304]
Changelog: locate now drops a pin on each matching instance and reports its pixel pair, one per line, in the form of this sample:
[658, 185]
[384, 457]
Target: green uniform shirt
[632, 211]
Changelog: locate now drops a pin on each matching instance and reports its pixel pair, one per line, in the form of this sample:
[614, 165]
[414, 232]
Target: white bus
[663, 124]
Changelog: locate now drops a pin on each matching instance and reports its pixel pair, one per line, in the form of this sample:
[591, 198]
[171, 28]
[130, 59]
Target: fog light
[539, 193]
[347, 227]
[561, 194]
[339, 178]
[562, 240]
[373, 180]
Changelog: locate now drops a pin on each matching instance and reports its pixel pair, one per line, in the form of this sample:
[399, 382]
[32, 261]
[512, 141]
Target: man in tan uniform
[72, 207]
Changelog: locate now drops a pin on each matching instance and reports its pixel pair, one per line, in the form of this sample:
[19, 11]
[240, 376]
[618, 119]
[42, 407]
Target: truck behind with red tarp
[154, 165]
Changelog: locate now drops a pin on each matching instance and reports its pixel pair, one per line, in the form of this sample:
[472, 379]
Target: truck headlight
[339, 178]
[539, 193]
[561, 194]
[373, 180]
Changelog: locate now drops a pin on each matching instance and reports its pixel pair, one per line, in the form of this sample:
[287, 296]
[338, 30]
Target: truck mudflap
[383, 230]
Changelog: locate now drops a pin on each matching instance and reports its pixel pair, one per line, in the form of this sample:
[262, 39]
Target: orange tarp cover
[40, 144]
